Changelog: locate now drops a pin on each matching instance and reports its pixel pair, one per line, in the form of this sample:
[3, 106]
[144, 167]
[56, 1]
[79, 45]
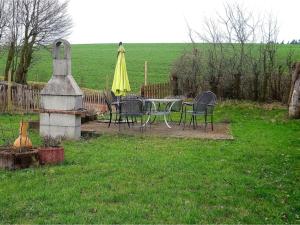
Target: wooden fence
[160, 90]
[23, 98]
[27, 99]
[94, 101]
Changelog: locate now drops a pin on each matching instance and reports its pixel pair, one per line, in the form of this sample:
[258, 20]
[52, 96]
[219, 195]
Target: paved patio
[221, 130]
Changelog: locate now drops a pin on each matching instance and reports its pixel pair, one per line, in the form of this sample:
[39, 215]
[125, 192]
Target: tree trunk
[266, 77]
[237, 85]
[294, 107]
[294, 104]
[174, 84]
[295, 76]
[255, 84]
[20, 72]
[25, 61]
[9, 60]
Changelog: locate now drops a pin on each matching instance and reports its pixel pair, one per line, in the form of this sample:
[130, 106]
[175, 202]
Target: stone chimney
[61, 98]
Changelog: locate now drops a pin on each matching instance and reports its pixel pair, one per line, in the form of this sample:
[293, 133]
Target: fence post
[146, 72]
[106, 82]
[9, 99]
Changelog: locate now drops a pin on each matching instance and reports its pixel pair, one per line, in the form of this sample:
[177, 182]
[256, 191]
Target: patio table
[156, 111]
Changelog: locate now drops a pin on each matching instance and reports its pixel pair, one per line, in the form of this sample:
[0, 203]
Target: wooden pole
[106, 85]
[9, 100]
[146, 72]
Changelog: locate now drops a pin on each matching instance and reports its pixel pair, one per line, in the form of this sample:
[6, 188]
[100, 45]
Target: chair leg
[142, 128]
[119, 123]
[205, 117]
[116, 118]
[184, 118]
[194, 117]
[181, 114]
[110, 117]
[127, 121]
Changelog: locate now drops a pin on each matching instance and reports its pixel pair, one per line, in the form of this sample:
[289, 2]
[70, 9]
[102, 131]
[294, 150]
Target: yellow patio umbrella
[120, 83]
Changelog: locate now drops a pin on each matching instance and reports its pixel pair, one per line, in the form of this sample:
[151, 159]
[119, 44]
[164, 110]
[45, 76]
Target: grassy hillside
[92, 63]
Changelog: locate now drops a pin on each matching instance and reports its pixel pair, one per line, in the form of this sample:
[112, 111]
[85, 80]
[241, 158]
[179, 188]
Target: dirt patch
[221, 130]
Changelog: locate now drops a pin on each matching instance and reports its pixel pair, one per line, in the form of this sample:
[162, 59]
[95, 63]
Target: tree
[215, 53]
[270, 32]
[13, 37]
[240, 26]
[37, 22]
[187, 71]
[3, 17]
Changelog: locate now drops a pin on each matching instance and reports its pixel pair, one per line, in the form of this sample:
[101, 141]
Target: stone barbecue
[61, 98]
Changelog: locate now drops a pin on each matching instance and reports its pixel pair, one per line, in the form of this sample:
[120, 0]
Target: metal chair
[202, 105]
[131, 108]
[177, 106]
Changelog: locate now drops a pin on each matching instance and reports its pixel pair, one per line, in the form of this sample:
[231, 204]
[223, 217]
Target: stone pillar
[61, 98]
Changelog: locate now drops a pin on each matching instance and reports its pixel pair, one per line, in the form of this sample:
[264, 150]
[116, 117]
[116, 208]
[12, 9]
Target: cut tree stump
[12, 161]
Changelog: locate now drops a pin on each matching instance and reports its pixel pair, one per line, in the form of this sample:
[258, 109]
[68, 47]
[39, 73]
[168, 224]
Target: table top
[163, 99]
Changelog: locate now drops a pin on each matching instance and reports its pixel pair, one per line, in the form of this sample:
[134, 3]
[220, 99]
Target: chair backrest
[197, 97]
[208, 98]
[131, 96]
[114, 97]
[204, 99]
[134, 106]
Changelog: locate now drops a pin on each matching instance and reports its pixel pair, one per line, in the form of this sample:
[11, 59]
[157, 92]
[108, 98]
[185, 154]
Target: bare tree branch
[38, 23]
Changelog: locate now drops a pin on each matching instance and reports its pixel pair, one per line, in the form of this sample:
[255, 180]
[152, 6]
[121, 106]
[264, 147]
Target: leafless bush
[241, 58]
[186, 71]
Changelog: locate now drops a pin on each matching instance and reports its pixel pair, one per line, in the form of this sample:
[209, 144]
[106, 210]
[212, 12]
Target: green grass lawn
[93, 64]
[123, 179]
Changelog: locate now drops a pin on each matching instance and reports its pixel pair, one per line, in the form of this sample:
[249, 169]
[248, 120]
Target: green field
[120, 179]
[93, 65]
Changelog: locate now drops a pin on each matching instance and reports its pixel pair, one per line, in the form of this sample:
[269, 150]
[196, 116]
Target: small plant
[49, 141]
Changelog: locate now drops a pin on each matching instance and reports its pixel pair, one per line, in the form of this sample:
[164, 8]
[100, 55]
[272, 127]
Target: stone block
[53, 102]
[61, 67]
[63, 120]
[59, 131]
